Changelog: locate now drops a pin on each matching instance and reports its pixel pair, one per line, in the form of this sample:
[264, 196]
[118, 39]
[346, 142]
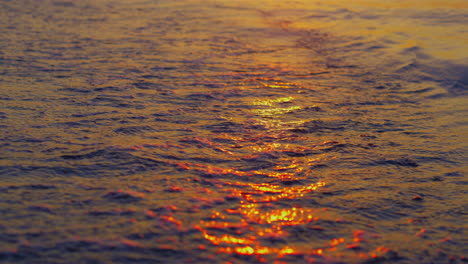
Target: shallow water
[233, 132]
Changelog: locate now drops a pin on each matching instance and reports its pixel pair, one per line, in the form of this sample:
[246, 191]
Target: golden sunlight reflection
[261, 213]
[280, 217]
[257, 225]
[252, 226]
[270, 102]
[221, 131]
[275, 111]
[281, 85]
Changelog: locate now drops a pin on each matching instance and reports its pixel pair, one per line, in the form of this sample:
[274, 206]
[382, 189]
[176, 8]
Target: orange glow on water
[275, 111]
[171, 219]
[271, 102]
[244, 250]
[248, 250]
[228, 239]
[281, 85]
[283, 217]
[209, 170]
[220, 131]
[337, 241]
[275, 192]
[257, 224]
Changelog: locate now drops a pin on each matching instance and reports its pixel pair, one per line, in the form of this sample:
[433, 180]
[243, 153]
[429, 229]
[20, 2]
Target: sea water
[158, 131]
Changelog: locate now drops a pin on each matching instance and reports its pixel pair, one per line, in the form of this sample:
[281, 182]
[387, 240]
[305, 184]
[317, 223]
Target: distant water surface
[146, 131]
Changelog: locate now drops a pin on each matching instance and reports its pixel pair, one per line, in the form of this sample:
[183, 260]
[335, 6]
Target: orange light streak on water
[257, 225]
[275, 192]
[228, 239]
[254, 225]
[284, 217]
[248, 250]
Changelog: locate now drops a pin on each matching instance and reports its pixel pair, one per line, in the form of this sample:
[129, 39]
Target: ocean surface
[233, 131]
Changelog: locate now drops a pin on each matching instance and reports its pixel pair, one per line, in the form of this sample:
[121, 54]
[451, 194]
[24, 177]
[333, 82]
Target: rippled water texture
[233, 131]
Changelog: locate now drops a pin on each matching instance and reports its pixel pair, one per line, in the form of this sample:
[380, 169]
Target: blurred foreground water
[146, 131]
